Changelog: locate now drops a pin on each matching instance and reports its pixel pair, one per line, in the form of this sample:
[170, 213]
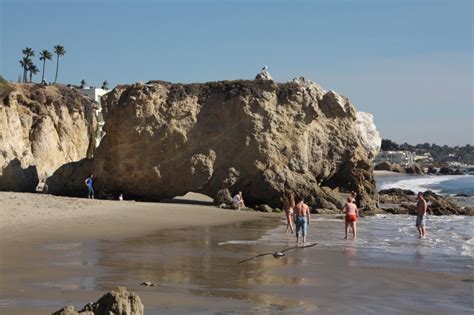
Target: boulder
[397, 192]
[43, 127]
[414, 169]
[391, 167]
[223, 196]
[264, 208]
[260, 137]
[118, 302]
[16, 178]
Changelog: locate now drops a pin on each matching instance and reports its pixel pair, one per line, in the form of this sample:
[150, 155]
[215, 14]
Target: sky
[409, 63]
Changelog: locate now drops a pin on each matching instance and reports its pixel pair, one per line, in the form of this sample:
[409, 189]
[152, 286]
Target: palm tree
[25, 63]
[28, 52]
[45, 55]
[59, 51]
[33, 70]
[83, 83]
[105, 85]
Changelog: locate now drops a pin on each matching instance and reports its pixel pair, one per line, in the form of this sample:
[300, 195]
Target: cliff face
[163, 140]
[41, 128]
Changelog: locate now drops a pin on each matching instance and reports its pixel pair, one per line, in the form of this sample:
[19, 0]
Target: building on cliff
[403, 158]
[96, 94]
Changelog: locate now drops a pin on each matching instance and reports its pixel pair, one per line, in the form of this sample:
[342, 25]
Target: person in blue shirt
[89, 183]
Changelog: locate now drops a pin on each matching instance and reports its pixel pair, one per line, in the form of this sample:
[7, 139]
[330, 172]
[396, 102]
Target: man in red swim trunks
[351, 211]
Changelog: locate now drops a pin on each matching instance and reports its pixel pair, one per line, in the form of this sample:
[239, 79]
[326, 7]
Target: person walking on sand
[351, 211]
[288, 206]
[238, 201]
[302, 217]
[89, 182]
[421, 208]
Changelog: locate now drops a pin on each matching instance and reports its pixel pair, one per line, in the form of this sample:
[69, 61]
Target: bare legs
[289, 224]
[353, 226]
[354, 230]
[346, 228]
[421, 230]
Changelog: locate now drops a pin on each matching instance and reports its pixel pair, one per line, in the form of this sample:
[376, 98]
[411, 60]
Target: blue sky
[409, 63]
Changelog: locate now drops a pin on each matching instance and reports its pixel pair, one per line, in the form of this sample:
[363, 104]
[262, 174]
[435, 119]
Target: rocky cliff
[261, 137]
[41, 128]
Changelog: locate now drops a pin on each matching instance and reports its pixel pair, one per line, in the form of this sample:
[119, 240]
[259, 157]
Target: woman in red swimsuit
[351, 211]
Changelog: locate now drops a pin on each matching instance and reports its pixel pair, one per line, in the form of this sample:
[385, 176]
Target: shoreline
[91, 246]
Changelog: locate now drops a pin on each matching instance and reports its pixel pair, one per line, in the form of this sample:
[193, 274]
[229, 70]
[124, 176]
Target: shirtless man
[302, 217]
[351, 211]
[421, 208]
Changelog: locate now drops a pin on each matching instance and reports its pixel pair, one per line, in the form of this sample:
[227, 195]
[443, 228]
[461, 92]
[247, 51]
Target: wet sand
[30, 223]
[196, 271]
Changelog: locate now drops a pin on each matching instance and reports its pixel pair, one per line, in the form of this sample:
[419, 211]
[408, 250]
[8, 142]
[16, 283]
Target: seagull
[264, 68]
[277, 254]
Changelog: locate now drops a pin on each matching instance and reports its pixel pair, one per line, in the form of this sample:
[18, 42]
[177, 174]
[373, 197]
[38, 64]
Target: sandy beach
[58, 251]
[29, 223]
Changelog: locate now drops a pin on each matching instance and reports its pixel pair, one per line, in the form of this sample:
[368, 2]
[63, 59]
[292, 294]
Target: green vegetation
[5, 88]
[45, 55]
[59, 51]
[28, 66]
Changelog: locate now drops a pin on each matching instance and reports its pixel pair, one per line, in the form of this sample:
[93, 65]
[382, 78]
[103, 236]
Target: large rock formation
[41, 128]
[263, 138]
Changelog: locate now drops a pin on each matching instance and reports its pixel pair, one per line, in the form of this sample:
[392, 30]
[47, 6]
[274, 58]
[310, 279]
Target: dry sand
[35, 217]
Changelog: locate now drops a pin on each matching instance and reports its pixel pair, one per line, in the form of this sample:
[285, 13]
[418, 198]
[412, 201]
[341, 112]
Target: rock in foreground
[118, 302]
[263, 138]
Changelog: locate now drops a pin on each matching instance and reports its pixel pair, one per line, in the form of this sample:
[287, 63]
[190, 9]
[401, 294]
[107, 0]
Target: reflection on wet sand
[191, 260]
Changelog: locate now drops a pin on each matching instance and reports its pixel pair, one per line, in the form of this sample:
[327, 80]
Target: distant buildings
[96, 95]
[403, 158]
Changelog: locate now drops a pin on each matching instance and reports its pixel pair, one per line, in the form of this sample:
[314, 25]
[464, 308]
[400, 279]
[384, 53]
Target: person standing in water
[302, 217]
[351, 211]
[353, 195]
[288, 206]
[421, 208]
[89, 182]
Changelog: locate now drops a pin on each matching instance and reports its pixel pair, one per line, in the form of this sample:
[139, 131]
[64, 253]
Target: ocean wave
[419, 183]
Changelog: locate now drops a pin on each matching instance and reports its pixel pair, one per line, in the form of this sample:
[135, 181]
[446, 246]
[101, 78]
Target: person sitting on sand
[238, 201]
[89, 182]
[302, 217]
[421, 208]
[351, 211]
[288, 206]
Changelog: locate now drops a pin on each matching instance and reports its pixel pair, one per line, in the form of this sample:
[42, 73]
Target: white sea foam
[418, 183]
[245, 242]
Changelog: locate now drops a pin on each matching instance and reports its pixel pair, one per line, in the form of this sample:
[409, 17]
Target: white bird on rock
[264, 68]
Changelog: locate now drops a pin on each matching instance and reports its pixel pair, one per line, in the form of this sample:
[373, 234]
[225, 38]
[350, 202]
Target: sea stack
[257, 136]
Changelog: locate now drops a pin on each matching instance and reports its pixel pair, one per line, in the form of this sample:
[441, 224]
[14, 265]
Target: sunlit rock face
[261, 137]
[41, 128]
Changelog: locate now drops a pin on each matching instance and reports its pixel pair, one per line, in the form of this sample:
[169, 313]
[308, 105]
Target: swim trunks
[420, 220]
[301, 224]
[351, 217]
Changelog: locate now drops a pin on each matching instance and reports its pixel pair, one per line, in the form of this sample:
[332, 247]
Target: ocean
[444, 185]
